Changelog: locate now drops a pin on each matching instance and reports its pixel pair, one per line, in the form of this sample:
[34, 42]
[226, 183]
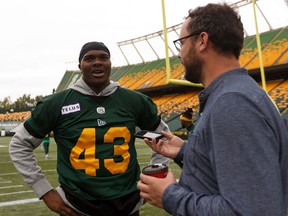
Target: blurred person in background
[186, 119]
[46, 143]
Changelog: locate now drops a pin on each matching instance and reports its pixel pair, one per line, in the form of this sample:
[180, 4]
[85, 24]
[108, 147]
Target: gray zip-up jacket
[236, 160]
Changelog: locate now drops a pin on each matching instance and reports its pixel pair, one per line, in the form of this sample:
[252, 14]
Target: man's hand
[152, 188]
[168, 147]
[54, 202]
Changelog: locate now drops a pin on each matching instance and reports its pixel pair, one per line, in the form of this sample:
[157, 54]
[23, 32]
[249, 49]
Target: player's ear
[79, 66]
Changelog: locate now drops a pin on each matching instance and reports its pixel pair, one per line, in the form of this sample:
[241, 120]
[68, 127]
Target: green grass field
[18, 199]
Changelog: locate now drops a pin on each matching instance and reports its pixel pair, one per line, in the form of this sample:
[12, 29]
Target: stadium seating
[153, 74]
[274, 44]
[150, 74]
[15, 116]
[283, 59]
[279, 94]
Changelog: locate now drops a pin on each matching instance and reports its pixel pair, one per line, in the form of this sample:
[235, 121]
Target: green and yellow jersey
[96, 154]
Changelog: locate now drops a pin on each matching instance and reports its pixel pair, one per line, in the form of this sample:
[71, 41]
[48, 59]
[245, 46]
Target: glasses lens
[177, 45]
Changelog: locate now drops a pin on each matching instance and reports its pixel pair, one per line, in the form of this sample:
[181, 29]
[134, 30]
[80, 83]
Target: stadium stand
[9, 121]
[274, 44]
[279, 94]
[15, 116]
[150, 78]
[284, 58]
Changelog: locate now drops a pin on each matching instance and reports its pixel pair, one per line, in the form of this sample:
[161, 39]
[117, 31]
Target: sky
[40, 39]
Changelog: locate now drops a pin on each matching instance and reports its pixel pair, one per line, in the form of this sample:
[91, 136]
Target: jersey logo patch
[100, 110]
[70, 109]
[101, 122]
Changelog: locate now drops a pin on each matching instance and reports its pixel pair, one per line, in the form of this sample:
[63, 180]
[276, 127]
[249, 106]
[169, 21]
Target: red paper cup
[156, 170]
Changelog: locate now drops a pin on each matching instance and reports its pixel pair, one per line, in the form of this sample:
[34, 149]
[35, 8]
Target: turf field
[18, 199]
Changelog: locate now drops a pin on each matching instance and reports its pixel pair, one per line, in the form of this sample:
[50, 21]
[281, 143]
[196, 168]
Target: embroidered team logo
[70, 109]
[101, 122]
[100, 110]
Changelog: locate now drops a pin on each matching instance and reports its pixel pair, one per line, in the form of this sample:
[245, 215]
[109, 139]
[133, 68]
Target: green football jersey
[96, 155]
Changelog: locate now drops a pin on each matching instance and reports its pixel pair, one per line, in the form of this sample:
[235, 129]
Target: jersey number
[86, 144]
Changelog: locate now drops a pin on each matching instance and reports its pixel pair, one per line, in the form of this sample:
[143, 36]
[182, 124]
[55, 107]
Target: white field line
[5, 162]
[16, 202]
[13, 186]
[8, 162]
[5, 182]
[7, 174]
[16, 173]
[17, 192]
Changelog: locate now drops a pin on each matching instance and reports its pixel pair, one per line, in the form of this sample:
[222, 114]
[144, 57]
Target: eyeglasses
[178, 43]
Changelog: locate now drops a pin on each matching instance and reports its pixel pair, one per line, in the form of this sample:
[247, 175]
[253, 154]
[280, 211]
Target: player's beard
[193, 68]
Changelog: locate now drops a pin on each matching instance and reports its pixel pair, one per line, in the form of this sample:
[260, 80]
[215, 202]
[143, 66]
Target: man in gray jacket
[236, 160]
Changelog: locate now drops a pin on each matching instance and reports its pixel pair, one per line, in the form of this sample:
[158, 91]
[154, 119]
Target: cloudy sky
[40, 39]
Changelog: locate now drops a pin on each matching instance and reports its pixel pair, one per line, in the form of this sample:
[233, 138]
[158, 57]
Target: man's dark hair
[222, 24]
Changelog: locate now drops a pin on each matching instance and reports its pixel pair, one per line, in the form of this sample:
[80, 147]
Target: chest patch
[70, 109]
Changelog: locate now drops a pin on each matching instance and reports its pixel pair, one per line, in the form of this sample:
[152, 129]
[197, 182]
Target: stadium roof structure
[159, 36]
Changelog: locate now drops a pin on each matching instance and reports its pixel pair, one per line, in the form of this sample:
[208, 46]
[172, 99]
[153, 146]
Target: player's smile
[98, 73]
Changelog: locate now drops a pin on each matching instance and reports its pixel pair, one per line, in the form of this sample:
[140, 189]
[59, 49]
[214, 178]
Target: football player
[93, 123]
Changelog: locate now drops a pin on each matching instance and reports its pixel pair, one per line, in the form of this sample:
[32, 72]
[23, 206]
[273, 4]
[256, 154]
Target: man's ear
[79, 66]
[204, 37]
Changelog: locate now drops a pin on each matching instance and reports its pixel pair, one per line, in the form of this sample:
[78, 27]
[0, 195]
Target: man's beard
[193, 69]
